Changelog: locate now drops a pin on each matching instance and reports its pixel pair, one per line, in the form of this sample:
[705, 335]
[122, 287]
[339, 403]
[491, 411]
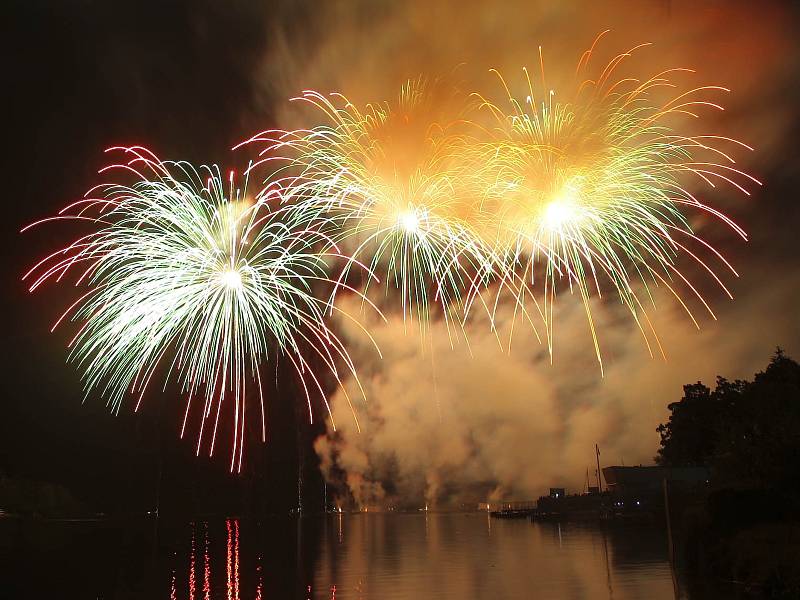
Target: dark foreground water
[360, 556]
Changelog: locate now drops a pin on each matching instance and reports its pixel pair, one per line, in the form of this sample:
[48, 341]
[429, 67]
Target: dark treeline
[747, 528]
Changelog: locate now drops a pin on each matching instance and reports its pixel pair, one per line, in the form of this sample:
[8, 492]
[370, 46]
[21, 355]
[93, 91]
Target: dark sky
[174, 76]
[189, 80]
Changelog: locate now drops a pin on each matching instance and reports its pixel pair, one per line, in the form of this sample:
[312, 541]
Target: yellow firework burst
[590, 185]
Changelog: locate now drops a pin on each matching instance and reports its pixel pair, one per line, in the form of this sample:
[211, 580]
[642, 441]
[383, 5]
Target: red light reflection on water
[228, 558]
[232, 526]
[191, 567]
[231, 563]
[206, 565]
[260, 585]
[200, 586]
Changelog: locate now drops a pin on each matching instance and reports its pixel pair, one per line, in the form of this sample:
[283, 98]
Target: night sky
[191, 79]
[87, 75]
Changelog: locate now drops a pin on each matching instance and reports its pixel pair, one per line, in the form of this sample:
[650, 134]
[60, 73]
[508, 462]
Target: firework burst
[390, 179]
[185, 274]
[592, 186]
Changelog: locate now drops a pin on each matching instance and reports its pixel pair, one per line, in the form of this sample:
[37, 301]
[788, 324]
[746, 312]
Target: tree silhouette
[687, 438]
[748, 432]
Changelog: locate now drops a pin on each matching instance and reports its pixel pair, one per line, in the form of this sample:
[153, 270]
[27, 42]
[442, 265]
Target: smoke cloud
[443, 425]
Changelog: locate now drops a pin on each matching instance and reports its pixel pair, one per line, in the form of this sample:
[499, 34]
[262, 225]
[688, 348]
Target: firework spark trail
[187, 273]
[390, 179]
[590, 187]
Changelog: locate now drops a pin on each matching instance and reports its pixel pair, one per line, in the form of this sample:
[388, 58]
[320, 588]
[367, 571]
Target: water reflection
[464, 556]
[339, 556]
[233, 559]
[199, 553]
[421, 556]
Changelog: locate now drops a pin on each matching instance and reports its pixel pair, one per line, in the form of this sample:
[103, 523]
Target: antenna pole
[597, 456]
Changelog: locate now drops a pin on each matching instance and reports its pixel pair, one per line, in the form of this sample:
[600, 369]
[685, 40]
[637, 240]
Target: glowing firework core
[562, 209]
[558, 213]
[409, 221]
[231, 279]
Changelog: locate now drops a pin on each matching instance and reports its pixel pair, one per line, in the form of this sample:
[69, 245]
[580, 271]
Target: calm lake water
[360, 556]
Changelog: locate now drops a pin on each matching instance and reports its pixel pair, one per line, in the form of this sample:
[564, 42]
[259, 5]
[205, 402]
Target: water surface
[360, 556]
